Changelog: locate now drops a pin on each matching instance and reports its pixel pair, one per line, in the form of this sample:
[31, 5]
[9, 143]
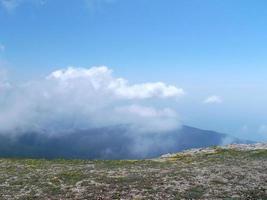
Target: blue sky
[207, 47]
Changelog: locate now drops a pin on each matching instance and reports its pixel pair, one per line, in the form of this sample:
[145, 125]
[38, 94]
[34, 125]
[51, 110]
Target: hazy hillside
[108, 143]
[233, 172]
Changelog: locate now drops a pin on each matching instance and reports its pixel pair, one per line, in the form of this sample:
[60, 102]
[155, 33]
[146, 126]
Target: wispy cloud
[97, 4]
[263, 130]
[148, 118]
[11, 5]
[214, 99]
[2, 47]
[244, 128]
[93, 5]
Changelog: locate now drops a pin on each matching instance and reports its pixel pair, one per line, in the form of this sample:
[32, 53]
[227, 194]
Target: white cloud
[81, 98]
[214, 99]
[100, 78]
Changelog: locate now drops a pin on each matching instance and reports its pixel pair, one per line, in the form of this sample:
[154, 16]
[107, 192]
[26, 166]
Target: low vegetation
[213, 173]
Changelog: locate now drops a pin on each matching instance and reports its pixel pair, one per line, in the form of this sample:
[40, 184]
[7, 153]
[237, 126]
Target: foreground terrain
[232, 172]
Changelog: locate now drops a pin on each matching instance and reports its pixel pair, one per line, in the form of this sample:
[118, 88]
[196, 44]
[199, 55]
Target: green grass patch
[71, 177]
[194, 193]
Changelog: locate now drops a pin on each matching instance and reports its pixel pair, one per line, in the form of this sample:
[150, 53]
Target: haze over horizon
[153, 64]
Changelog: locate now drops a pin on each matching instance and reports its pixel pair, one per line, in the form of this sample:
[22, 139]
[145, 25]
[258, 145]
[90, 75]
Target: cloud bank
[83, 98]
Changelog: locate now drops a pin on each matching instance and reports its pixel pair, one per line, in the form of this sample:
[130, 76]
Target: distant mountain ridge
[112, 142]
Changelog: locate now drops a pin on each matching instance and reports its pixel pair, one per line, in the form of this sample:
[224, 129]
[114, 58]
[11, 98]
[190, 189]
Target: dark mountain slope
[115, 142]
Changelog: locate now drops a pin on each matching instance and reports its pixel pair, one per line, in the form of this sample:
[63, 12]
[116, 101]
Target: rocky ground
[232, 172]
